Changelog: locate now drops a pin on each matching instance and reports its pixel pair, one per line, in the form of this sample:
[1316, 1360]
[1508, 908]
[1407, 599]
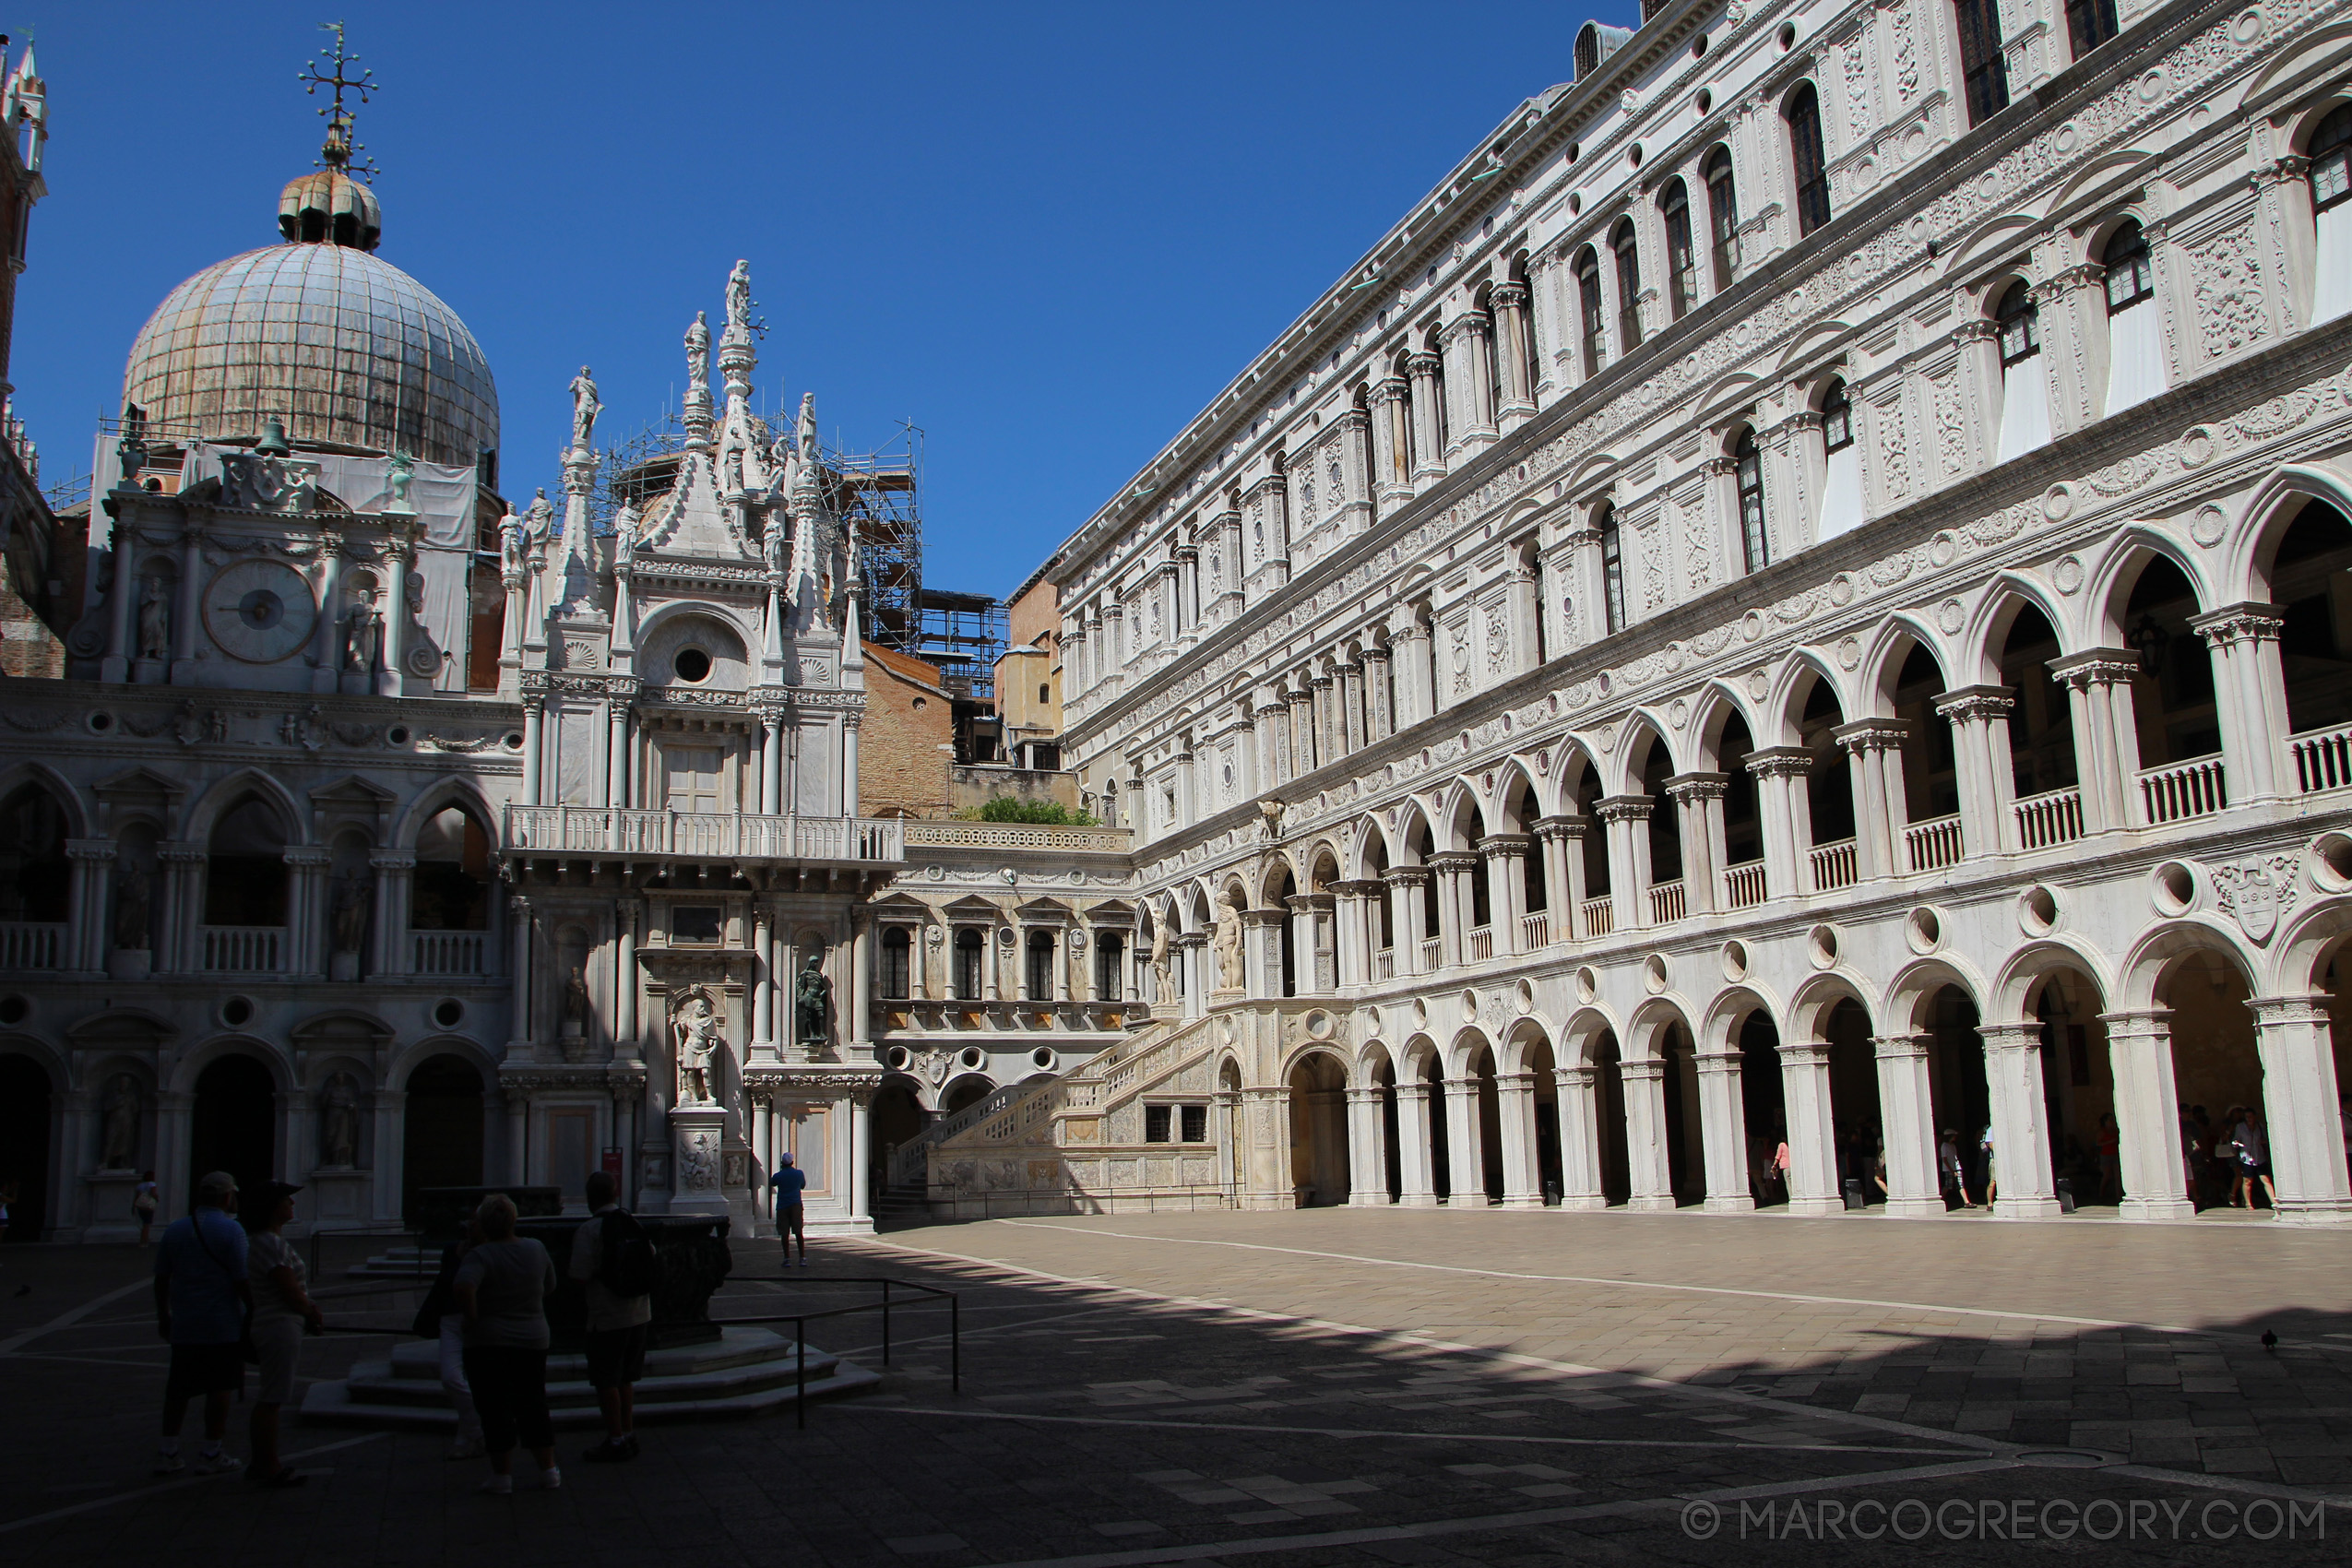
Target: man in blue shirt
[787, 1183]
[200, 1301]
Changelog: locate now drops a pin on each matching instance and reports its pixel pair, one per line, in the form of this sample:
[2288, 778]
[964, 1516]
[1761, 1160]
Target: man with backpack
[614, 1259]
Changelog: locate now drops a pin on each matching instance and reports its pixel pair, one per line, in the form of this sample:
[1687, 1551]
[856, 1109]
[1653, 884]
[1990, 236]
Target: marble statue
[739, 297]
[510, 545]
[584, 408]
[538, 518]
[131, 907]
[1163, 976]
[771, 543]
[697, 1027]
[363, 635]
[349, 914]
[575, 1001]
[119, 1125]
[807, 435]
[1228, 948]
[698, 354]
[155, 621]
[401, 475]
[339, 1121]
[813, 1003]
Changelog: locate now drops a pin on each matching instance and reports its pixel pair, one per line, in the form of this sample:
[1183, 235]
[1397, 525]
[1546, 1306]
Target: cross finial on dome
[340, 151]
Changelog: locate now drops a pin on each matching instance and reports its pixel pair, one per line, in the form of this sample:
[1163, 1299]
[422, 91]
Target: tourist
[2192, 1140]
[145, 1199]
[1780, 1161]
[2110, 1160]
[281, 1310]
[502, 1288]
[200, 1301]
[788, 1182]
[2254, 1156]
[1954, 1174]
[613, 1257]
[438, 1319]
[1992, 1172]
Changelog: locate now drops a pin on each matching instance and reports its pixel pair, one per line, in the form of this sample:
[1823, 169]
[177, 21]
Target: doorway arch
[1319, 1174]
[24, 1145]
[441, 1125]
[233, 1126]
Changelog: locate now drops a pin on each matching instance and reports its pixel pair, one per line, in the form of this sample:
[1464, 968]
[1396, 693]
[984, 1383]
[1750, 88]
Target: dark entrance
[898, 1119]
[442, 1127]
[233, 1127]
[24, 1146]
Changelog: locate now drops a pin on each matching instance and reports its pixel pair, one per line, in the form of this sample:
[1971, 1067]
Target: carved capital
[1966, 704]
[1624, 808]
[1780, 762]
[1865, 735]
[1685, 788]
[2247, 622]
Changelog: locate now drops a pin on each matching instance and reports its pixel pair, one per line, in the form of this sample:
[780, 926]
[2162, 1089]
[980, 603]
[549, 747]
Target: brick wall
[903, 745]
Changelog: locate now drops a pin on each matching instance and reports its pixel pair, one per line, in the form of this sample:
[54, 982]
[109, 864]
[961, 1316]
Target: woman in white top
[281, 1310]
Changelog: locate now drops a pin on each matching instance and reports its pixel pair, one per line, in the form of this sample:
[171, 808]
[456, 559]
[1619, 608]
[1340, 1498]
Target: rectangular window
[694, 924]
[1681, 263]
[1748, 474]
[1810, 157]
[1156, 1124]
[692, 776]
[897, 948]
[2090, 23]
[1612, 576]
[1984, 71]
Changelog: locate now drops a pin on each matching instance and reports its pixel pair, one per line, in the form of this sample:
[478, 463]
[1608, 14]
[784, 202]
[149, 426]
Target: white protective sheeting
[2332, 294]
[2134, 356]
[2024, 408]
[1841, 500]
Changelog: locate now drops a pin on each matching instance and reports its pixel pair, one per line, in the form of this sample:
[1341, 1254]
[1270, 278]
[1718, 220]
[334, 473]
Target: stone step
[334, 1404]
[374, 1383]
[420, 1360]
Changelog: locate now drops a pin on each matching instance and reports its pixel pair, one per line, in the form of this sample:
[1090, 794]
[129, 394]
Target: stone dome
[347, 349]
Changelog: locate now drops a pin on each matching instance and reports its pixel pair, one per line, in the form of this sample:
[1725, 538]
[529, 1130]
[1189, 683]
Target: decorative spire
[340, 148]
[332, 206]
[698, 383]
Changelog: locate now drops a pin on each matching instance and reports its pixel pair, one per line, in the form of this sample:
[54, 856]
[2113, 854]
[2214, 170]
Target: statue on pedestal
[1228, 948]
[584, 408]
[339, 1121]
[698, 355]
[155, 621]
[119, 1126]
[812, 1005]
[349, 915]
[131, 905]
[363, 635]
[696, 1028]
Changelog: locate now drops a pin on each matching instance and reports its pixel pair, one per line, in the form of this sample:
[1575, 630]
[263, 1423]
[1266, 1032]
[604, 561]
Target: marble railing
[617, 830]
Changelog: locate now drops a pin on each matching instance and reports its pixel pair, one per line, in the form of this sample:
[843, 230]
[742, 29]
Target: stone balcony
[938, 834]
[626, 833]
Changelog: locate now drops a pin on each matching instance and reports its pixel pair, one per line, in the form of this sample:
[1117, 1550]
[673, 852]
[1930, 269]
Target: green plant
[1040, 814]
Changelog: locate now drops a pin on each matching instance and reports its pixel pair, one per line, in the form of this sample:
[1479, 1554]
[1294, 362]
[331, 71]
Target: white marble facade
[1801, 593]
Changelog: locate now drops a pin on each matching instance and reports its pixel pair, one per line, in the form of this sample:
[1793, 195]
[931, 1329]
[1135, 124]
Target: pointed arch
[1987, 632]
[2252, 546]
[1712, 708]
[1640, 731]
[2130, 550]
[229, 792]
[1888, 650]
[40, 775]
[1785, 704]
[449, 789]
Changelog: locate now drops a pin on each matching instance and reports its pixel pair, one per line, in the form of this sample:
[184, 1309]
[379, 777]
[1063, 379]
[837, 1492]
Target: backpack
[629, 1266]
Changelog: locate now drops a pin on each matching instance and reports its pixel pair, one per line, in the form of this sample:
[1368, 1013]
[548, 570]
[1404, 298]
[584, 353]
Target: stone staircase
[744, 1371]
[1075, 1144]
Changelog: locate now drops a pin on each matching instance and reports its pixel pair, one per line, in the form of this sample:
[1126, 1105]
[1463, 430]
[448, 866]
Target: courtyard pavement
[1340, 1386]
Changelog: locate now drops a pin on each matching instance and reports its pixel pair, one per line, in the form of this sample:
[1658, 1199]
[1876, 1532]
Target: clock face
[259, 611]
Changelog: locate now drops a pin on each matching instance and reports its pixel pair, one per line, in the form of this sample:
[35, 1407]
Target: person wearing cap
[788, 1184]
[200, 1299]
[281, 1310]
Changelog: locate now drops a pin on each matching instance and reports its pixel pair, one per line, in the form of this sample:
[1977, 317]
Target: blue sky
[1045, 233]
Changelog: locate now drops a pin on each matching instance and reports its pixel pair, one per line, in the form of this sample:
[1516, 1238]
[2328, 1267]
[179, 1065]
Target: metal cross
[341, 150]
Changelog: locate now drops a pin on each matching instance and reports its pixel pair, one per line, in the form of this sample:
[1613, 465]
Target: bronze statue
[813, 1003]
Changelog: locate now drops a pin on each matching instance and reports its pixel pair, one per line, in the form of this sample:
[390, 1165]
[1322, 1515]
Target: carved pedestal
[697, 1134]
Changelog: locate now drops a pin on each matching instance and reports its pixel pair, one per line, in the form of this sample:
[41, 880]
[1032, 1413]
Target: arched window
[2090, 23]
[2134, 335]
[897, 962]
[1612, 570]
[971, 951]
[1629, 285]
[2025, 392]
[1747, 474]
[1984, 71]
[244, 880]
[1723, 217]
[449, 890]
[1681, 261]
[1808, 158]
[33, 867]
[1841, 499]
[2331, 155]
[1588, 298]
[1041, 966]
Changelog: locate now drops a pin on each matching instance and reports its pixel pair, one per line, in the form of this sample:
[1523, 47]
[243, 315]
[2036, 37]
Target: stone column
[1473, 366]
[1391, 442]
[1723, 1132]
[2020, 1127]
[1812, 1150]
[1451, 866]
[1980, 720]
[763, 1046]
[2300, 1088]
[2107, 743]
[395, 890]
[1698, 802]
[1579, 1139]
[1906, 1120]
[121, 599]
[326, 638]
[1784, 812]
[184, 620]
[1511, 356]
[173, 1153]
[88, 929]
[1651, 1181]
[1404, 883]
[1380, 721]
[2155, 1183]
[1522, 1173]
[518, 970]
[629, 1045]
[1428, 445]
[518, 1116]
[860, 1106]
[182, 946]
[1266, 1111]
[1367, 1150]
[1625, 818]
[1562, 839]
[616, 760]
[1506, 886]
[2249, 687]
[1876, 746]
[1465, 1153]
[1303, 759]
[533, 765]
[1190, 947]
[391, 1111]
[1355, 435]
[1417, 1179]
[400, 554]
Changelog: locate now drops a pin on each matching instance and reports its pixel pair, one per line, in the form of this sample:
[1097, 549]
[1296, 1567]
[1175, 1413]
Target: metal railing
[1535, 930]
[1668, 901]
[2183, 789]
[2322, 758]
[243, 949]
[30, 944]
[1836, 865]
[1744, 886]
[1598, 916]
[1934, 844]
[2054, 816]
[448, 952]
[800, 1322]
[1481, 942]
[715, 835]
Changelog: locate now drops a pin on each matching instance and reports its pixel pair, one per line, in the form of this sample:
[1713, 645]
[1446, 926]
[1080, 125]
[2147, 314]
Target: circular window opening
[1575, 150]
[100, 722]
[1788, 35]
[2037, 910]
[397, 735]
[692, 665]
[899, 1059]
[1654, 973]
[1587, 984]
[1634, 155]
[1043, 1058]
[1575, 202]
[1735, 960]
[14, 1009]
[2332, 861]
[1821, 946]
[1698, 46]
[236, 1011]
[513, 741]
[972, 1056]
[1706, 100]
[1924, 930]
[2173, 888]
[449, 1012]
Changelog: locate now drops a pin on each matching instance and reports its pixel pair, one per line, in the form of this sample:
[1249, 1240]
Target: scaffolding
[964, 635]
